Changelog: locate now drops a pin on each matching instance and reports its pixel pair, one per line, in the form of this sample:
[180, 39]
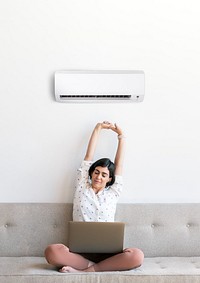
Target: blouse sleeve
[118, 185]
[82, 174]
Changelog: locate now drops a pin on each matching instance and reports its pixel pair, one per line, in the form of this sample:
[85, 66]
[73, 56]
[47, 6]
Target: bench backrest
[158, 229]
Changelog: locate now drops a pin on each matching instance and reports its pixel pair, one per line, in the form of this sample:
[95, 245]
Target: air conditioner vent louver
[100, 96]
[99, 86]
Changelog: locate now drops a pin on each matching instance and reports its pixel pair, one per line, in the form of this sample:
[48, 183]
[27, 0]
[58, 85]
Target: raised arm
[94, 139]
[119, 157]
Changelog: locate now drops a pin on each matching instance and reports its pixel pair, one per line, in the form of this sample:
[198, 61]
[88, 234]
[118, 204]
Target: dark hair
[104, 162]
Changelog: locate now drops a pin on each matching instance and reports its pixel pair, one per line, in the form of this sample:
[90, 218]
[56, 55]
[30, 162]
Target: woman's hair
[104, 162]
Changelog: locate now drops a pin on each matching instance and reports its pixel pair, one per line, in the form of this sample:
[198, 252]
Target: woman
[98, 189]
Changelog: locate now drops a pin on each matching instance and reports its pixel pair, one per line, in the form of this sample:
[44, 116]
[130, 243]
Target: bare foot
[69, 269]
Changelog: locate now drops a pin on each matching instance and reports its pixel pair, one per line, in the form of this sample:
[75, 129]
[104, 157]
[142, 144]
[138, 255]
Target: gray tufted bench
[169, 235]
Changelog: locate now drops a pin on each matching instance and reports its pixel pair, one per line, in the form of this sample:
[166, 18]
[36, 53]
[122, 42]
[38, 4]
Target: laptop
[96, 237]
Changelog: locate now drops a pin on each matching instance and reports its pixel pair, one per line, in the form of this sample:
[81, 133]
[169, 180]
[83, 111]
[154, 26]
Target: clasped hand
[113, 127]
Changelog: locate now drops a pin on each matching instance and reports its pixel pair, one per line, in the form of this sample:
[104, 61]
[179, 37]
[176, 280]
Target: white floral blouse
[87, 205]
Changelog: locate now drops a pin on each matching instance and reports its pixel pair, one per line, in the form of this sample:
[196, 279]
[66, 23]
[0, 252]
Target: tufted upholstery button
[153, 225]
[188, 225]
[6, 225]
[54, 226]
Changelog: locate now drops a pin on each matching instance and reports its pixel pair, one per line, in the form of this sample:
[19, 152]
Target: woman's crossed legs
[60, 256]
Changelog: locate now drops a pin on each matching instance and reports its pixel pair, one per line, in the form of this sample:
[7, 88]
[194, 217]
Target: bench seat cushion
[157, 269]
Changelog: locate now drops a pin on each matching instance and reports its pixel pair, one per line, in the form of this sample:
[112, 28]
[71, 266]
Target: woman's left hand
[116, 129]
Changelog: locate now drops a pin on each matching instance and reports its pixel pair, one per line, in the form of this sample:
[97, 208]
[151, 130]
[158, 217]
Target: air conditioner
[99, 86]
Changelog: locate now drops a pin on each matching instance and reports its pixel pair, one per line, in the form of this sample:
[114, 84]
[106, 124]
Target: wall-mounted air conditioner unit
[99, 86]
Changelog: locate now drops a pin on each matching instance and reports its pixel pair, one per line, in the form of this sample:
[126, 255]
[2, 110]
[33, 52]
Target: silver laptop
[96, 237]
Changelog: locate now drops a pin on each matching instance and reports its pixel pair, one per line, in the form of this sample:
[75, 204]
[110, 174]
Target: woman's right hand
[104, 125]
[107, 125]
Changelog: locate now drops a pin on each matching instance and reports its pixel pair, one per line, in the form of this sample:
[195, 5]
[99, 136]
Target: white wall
[42, 142]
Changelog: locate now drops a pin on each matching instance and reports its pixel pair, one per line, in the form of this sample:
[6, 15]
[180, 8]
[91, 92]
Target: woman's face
[100, 177]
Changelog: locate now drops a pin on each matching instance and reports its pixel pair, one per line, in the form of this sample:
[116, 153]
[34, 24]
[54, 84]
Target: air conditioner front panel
[99, 86]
